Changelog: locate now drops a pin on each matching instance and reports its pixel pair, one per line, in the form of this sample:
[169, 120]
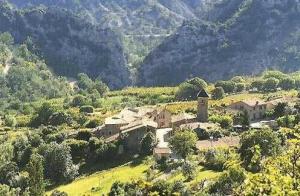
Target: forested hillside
[180, 39]
[248, 37]
[69, 44]
[24, 77]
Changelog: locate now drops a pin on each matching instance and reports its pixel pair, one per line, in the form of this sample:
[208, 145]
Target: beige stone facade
[256, 109]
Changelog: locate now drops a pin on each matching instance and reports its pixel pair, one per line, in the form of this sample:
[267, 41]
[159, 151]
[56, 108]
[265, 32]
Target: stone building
[255, 108]
[202, 108]
[136, 122]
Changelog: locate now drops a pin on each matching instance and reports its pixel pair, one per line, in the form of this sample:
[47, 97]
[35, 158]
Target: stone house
[256, 109]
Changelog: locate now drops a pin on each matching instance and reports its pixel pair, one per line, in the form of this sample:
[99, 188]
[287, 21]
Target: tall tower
[202, 109]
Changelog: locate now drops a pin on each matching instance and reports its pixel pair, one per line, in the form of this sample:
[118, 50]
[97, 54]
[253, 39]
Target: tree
[79, 100]
[10, 121]
[218, 93]
[258, 84]
[84, 82]
[189, 89]
[232, 178]
[228, 86]
[6, 38]
[117, 189]
[188, 170]
[279, 110]
[287, 83]
[239, 87]
[267, 141]
[58, 162]
[43, 115]
[148, 143]
[224, 121]
[36, 175]
[271, 84]
[183, 142]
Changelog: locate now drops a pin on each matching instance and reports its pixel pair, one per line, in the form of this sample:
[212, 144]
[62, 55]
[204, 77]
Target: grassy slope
[103, 180]
[125, 173]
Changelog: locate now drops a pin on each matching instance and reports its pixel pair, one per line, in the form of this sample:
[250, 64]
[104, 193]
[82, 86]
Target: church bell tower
[202, 109]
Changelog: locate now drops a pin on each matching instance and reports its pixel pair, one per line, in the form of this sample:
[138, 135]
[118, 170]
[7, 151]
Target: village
[136, 122]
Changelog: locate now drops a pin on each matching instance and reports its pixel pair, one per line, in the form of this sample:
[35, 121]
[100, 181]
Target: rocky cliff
[69, 44]
[244, 37]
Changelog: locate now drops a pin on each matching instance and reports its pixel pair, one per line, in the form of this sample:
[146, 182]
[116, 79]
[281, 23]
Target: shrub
[228, 86]
[224, 121]
[78, 101]
[10, 121]
[87, 109]
[84, 135]
[218, 93]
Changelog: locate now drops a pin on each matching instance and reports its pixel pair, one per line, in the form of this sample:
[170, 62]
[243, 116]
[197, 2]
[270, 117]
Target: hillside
[248, 36]
[131, 16]
[69, 44]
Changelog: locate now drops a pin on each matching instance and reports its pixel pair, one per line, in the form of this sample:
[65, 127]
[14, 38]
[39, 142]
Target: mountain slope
[131, 16]
[69, 44]
[247, 37]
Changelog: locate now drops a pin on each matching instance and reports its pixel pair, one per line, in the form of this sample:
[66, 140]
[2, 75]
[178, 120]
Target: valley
[149, 97]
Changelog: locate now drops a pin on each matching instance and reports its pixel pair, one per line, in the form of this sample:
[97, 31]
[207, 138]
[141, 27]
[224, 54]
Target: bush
[224, 121]
[10, 121]
[218, 93]
[78, 101]
[78, 148]
[59, 118]
[87, 109]
[215, 159]
[84, 135]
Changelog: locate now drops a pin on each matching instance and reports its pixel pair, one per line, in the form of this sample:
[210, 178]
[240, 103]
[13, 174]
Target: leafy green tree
[228, 86]
[239, 87]
[229, 180]
[189, 89]
[78, 149]
[43, 115]
[271, 84]
[117, 189]
[79, 100]
[218, 93]
[258, 84]
[84, 135]
[101, 87]
[224, 121]
[36, 175]
[287, 83]
[148, 143]
[84, 82]
[267, 141]
[183, 142]
[188, 170]
[280, 109]
[59, 118]
[6, 38]
[274, 74]
[58, 162]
